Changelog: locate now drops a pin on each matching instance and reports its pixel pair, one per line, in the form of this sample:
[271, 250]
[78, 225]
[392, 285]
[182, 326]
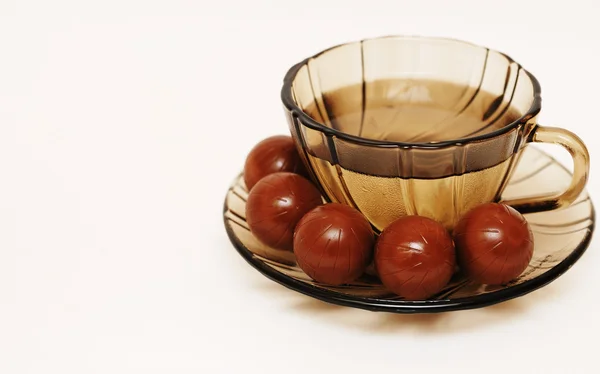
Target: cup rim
[288, 101]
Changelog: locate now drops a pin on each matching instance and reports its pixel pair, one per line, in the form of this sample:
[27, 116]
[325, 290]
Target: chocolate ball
[272, 155]
[276, 204]
[333, 244]
[494, 243]
[415, 257]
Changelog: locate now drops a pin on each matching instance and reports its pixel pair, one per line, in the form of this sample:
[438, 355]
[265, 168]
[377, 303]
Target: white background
[122, 124]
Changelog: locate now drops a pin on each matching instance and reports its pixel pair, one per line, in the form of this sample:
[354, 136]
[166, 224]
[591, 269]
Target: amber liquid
[411, 111]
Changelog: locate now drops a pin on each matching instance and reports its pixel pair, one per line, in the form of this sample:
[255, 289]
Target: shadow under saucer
[392, 323]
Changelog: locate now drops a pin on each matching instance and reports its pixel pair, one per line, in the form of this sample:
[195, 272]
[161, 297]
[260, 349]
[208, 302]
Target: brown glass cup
[387, 168]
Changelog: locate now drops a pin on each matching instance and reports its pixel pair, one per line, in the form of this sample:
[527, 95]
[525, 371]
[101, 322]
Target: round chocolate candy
[276, 204]
[415, 257]
[333, 244]
[274, 154]
[494, 243]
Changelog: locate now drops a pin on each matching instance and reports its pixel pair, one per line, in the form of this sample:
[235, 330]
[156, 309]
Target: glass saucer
[561, 237]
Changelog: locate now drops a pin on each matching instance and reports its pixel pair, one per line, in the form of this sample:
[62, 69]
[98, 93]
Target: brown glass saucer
[561, 237]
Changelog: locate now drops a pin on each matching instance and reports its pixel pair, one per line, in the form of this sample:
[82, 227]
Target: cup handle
[581, 168]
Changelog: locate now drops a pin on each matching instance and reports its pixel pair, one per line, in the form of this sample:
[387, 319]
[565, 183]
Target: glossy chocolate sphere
[494, 243]
[276, 204]
[272, 155]
[333, 244]
[415, 257]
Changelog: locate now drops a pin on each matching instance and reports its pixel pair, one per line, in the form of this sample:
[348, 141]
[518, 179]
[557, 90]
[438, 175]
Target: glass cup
[402, 125]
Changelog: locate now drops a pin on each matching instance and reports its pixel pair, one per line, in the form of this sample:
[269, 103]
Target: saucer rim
[416, 306]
